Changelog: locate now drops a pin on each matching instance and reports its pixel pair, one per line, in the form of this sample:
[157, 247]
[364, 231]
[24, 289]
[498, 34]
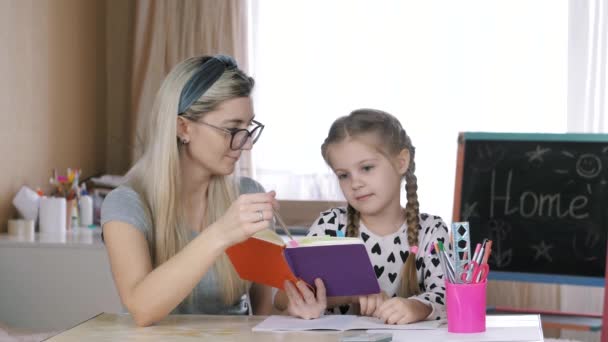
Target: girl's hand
[370, 303]
[399, 310]
[302, 302]
[249, 214]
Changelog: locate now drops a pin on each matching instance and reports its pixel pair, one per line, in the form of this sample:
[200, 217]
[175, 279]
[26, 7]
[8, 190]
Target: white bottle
[86, 210]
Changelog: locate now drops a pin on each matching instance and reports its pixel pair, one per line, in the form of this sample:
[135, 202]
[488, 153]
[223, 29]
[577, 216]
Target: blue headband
[208, 73]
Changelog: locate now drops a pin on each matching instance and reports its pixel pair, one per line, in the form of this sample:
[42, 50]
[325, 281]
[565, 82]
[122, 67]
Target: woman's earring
[184, 141]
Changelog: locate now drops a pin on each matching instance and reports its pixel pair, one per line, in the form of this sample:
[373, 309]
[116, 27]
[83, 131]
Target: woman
[167, 228]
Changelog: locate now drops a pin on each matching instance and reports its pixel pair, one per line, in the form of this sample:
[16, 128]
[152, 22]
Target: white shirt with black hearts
[388, 254]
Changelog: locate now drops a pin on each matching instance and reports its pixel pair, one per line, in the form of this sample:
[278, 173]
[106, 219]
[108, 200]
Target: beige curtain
[167, 32]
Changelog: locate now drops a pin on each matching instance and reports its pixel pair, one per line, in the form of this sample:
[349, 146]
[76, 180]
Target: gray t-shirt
[124, 204]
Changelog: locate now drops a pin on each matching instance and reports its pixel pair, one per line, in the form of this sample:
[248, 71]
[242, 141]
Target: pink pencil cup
[466, 307]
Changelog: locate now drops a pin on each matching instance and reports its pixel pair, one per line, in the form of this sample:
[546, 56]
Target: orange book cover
[253, 258]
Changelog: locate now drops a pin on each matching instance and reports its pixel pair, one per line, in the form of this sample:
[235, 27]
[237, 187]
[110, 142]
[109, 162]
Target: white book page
[270, 236]
[364, 322]
[336, 322]
[310, 241]
[290, 323]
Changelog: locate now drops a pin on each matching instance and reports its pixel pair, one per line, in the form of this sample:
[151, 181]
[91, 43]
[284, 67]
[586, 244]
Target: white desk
[53, 282]
[113, 327]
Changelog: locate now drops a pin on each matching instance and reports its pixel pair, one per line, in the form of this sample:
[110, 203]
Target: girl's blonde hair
[393, 140]
[156, 175]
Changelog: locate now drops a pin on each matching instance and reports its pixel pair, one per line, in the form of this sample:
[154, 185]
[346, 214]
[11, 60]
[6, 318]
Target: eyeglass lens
[240, 138]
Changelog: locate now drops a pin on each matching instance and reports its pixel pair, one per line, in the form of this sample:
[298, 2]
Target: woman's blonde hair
[156, 174]
[393, 139]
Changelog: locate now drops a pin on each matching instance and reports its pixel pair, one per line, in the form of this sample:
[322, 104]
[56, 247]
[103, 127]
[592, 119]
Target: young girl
[371, 154]
[166, 230]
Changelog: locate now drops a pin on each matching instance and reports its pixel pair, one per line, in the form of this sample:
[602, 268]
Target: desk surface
[120, 327]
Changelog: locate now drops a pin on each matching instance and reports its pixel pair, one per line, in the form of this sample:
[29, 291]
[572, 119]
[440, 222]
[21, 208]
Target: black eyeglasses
[239, 136]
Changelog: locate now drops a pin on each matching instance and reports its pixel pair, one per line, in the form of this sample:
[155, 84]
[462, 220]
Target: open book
[338, 322]
[342, 263]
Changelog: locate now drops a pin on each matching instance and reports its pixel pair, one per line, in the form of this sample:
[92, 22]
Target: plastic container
[86, 210]
[466, 307]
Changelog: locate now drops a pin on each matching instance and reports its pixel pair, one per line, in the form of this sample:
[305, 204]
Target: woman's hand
[399, 310]
[370, 303]
[249, 214]
[302, 302]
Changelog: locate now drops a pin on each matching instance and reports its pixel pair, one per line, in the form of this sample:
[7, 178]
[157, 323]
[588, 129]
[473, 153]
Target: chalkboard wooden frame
[468, 139]
[604, 335]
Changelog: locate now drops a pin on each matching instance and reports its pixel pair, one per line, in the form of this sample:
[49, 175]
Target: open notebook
[342, 263]
[338, 322]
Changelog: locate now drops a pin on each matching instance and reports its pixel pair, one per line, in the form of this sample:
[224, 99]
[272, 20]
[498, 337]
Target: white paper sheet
[337, 322]
[503, 328]
[501, 321]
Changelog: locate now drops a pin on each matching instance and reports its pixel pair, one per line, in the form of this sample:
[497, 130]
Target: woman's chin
[226, 169]
[222, 167]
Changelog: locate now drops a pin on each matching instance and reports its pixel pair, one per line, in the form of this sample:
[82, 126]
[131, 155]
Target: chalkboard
[541, 198]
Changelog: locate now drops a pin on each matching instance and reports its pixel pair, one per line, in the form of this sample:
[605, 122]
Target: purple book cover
[345, 269]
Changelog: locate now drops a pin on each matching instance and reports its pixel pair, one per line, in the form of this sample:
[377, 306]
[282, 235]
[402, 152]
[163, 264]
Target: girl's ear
[183, 128]
[403, 161]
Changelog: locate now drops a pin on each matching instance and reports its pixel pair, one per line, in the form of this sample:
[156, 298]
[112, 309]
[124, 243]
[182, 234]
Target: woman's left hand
[402, 311]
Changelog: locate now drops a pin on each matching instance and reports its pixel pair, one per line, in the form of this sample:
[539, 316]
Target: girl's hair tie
[414, 249]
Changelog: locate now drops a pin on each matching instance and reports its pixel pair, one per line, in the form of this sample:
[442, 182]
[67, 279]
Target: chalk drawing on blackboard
[499, 231]
[488, 156]
[588, 166]
[470, 210]
[568, 154]
[542, 250]
[537, 154]
[587, 244]
[557, 196]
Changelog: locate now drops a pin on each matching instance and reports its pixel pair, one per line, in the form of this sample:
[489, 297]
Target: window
[440, 67]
